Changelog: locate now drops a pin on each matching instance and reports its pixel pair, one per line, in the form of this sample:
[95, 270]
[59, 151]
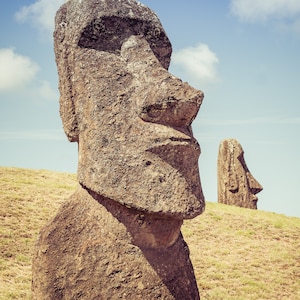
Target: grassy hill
[237, 253]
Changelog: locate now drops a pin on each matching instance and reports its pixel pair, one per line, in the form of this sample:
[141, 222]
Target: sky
[243, 54]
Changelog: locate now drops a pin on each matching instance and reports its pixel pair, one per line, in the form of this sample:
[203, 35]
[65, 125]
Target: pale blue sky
[243, 54]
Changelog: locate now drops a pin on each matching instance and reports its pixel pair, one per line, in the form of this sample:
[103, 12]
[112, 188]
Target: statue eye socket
[109, 33]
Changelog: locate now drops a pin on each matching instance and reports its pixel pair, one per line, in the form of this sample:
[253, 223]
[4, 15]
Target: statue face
[135, 140]
[237, 186]
[130, 116]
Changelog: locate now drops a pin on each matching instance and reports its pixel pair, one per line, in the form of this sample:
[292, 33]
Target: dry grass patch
[28, 199]
[245, 254]
[237, 253]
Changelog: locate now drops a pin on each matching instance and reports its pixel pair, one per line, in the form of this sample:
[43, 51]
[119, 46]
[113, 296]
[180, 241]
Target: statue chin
[158, 188]
[147, 230]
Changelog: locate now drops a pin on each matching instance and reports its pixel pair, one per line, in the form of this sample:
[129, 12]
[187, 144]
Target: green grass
[237, 253]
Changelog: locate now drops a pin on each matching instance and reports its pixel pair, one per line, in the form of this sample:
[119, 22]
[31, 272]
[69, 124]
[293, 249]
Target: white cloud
[15, 70]
[19, 72]
[40, 14]
[198, 63]
[45, 91]
[263, 10]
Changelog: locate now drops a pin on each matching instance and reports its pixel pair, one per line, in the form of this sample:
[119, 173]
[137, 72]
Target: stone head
[236, 185]
[130, 117]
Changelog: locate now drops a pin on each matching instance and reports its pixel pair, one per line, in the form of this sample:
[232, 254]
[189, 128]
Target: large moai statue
[118, 236]
[236, 185]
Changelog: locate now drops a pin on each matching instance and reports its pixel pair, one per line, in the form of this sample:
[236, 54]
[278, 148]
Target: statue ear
[232, 176]
[64, 58]
[68, 116]
[232, 182]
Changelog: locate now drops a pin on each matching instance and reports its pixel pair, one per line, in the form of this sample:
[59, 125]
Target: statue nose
[161, 97]
[254, 186]
[171, 102]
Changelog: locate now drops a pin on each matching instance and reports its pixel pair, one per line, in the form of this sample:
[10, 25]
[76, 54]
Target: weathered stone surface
[119, 236]
[103, 250]
[130, 115]
[236, 185]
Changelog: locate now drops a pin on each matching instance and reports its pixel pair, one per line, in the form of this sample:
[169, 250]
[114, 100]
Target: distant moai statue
[236, 185]
[118, 236]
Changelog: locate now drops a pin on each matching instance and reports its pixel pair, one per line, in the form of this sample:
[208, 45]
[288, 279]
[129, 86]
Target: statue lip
[191, 141]
[182, 144]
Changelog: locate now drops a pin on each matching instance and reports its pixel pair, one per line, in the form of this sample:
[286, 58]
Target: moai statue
[236, 185]
[118, 236]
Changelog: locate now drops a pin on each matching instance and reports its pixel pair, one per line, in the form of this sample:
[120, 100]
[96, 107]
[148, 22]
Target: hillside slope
[237, 253]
